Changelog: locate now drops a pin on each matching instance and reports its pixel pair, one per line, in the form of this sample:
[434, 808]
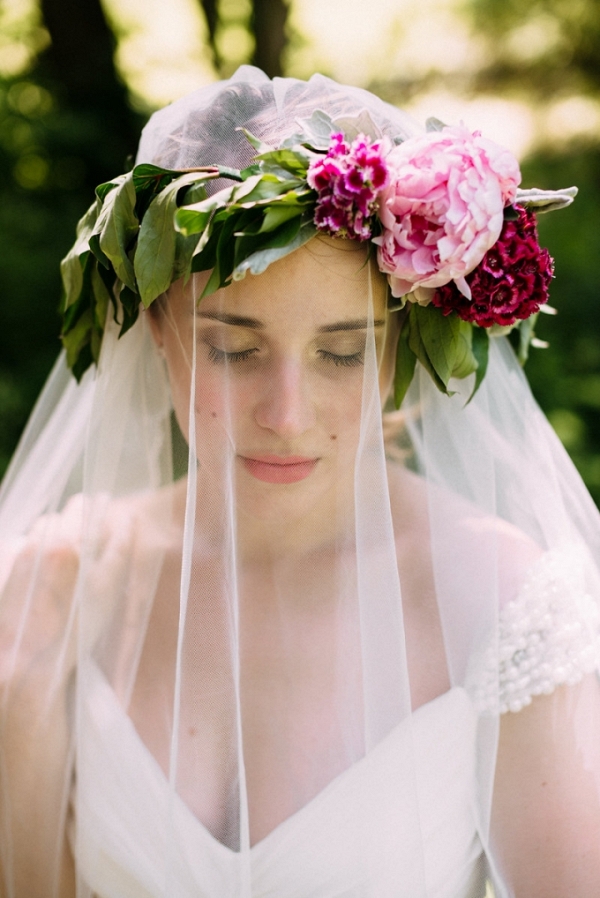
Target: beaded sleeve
[548, 636]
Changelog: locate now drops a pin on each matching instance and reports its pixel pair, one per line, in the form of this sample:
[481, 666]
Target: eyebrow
[355, 324]
[237, 320]
[358, 324]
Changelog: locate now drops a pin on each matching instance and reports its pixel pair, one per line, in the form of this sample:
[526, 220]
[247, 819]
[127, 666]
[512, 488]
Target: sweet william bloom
[442, 209]
[510, 284]
[348, 180]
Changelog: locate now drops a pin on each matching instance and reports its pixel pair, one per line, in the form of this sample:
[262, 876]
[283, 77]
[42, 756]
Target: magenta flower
[443, 207]
[510, 284]
[348, 181]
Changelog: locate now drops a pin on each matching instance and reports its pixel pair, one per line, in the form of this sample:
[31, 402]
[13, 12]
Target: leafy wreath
[151, 226]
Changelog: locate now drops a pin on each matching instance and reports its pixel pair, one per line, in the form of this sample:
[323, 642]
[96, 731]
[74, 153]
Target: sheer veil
[250, 668]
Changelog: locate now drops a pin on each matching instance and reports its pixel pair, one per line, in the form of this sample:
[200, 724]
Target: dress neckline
[111, 704]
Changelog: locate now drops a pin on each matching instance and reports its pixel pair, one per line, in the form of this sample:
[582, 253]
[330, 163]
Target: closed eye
[346, 361]
[219, 355]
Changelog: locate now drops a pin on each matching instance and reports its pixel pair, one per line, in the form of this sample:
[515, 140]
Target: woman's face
[279, 367]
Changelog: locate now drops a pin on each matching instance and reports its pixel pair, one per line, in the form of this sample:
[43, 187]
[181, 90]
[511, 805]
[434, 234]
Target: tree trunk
[268, 22]
[79, 64]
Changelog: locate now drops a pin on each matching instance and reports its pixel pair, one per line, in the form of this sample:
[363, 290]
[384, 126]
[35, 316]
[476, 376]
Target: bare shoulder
[418, 508]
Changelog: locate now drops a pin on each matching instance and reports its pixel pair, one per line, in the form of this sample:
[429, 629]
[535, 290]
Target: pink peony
[510, 284]
[348, 181]
[443, 207]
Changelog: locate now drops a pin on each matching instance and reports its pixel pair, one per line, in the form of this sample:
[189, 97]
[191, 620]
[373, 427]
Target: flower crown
[443, 212]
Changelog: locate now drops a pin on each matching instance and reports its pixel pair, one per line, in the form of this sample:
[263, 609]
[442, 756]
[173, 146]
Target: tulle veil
[134, 604]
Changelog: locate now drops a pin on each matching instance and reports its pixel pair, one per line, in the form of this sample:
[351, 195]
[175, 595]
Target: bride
[261, 633]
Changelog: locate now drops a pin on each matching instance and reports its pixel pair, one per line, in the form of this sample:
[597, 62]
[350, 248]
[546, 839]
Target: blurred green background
[78, 78]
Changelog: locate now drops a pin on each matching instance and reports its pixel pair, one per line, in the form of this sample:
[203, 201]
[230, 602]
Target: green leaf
[72, 265]
[96, 343]
[447, 342]
[226, 246]
[83, 361]
[352, 126]
[316, 132]
[233, 174]
[102, 298]
[194, 218]
[434, 124]
[184, 251]
[117, 225]
[102, 190]
[224, 253]
[291, 161]
[196, 193]
[526, 331]
[439, 335]
[256, 142]
[110, 283]
[96, 249]
[510, 213]
[250, 171]
[78, 337]
[417, 346]
[546, 200]
[155, 252]
[266, 186]
[190, 221]
[481, 351]
[249, 224]
[148, 187]
[147, 176]
[248, 243]
[405, 365]
[205, 258]
[156, 246]
[214, 282]
[277, 215]
[73, 311]
[260, 260]
[130, 303]
[465, 362]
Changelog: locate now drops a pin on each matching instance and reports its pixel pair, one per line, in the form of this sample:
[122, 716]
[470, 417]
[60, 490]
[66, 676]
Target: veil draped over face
[224, 675]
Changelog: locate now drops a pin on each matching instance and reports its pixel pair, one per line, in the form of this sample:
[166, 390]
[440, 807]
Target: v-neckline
[293, 820]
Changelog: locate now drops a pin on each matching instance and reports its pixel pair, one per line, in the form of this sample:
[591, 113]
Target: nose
[286, 404]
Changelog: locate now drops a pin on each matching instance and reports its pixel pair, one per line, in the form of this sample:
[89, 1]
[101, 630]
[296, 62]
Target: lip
[279, 468]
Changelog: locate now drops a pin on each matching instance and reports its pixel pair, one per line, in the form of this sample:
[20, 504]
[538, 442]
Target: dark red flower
[510, 283]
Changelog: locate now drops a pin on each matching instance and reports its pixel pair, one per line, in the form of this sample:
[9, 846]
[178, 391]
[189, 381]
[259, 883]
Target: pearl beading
[548, 636]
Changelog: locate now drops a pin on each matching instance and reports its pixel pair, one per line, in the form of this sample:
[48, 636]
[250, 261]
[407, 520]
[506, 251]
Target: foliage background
[78, 78]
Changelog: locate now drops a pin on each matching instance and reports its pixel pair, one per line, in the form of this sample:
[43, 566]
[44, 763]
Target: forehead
[326, 280]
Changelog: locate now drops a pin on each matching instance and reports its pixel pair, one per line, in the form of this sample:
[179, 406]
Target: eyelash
[344, 361]
[218, 355]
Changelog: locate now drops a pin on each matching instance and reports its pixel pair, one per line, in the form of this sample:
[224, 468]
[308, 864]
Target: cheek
[222, 408]
[341, 417]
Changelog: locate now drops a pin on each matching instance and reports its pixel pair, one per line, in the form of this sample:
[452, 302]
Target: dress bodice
[399, 823]
[352, 840]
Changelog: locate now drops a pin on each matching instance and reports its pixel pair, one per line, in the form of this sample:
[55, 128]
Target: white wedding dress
[328, 849]
[353, 839]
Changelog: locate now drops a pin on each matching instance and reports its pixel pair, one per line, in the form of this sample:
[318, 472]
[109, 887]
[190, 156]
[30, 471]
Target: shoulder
[548, 635]
[423, 511]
